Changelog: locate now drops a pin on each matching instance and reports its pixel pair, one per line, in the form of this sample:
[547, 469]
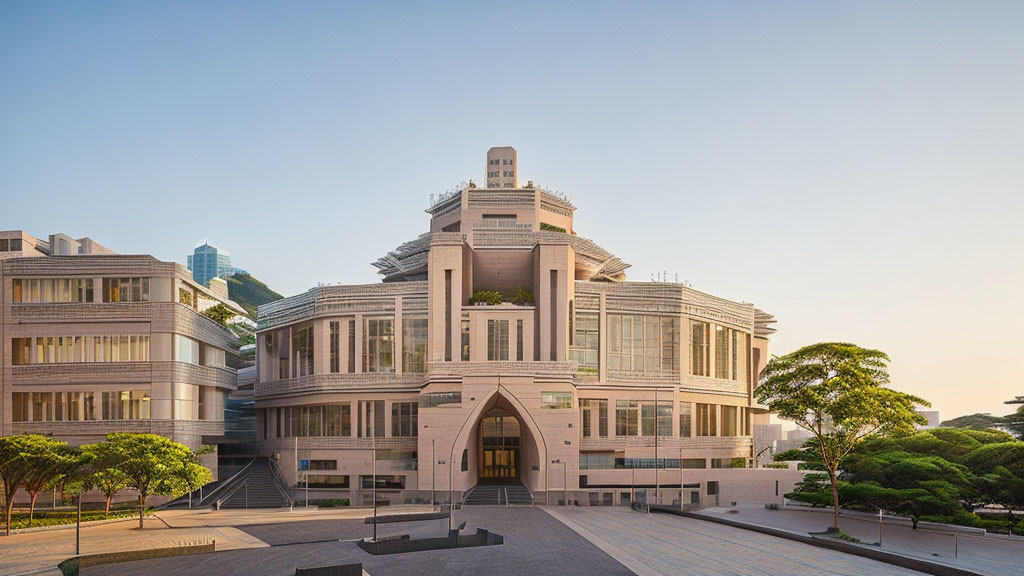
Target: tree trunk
[10, 509]
[32, 508]
[835, 499]
[142, 504]
[106, 511]
[914, 520]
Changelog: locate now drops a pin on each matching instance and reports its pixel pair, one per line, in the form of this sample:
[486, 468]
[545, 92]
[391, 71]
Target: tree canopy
[837, 391]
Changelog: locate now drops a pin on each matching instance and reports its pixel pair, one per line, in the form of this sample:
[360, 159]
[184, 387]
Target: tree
[105, 476]
[1004, 488]
[27, 461]
[219, 313]
[837, 391]
[153, 464]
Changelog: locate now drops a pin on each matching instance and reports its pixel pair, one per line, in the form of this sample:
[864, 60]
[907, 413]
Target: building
[95, 342]
[766, 442]
[18, 244]
[208, 262]
[932, 416]
[578, 384]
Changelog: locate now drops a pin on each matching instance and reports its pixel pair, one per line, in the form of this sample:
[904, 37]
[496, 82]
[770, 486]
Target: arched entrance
[500, 459]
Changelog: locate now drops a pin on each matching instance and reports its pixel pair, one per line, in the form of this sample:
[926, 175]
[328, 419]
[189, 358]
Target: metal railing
[282, 486]
[229, 483]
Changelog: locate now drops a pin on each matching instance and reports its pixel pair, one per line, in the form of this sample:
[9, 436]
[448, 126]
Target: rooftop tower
[501, 168]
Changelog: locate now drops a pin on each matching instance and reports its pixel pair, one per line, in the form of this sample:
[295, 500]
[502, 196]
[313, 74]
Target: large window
[383, 482]
[707, 421]
[56, 406]
[335, 328]
[700, 364]
[126, 289]
[318, 420]
[556, 400]
[75, 349]
[643, 343]
[585, 343]
[684, 419]
[585, 415]
[302, 351]
[465, 339]
[497, 339]
[656, 417]
[414, 345]
[403, 419]
[378, 345]
[627, 417]
[730, 422]
[33, 290]
[126, 405]
[731, 353]
[186, 349]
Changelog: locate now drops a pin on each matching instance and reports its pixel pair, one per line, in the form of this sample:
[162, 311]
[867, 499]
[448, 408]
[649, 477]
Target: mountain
[249, 292]
[973, 421]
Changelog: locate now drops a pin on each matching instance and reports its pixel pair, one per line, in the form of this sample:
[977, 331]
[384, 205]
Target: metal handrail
[282, 486]
[223, 499]
[507, 505]
[227, 483]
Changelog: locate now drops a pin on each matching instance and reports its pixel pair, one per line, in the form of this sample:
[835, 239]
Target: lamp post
[680, 478]
[374, 449]
[433, 470]
[657, 424]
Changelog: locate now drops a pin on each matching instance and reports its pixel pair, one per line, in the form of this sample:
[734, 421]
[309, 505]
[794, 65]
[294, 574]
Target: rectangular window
[378, 345]
[335, 328]
[21, 350]
[684, 419]
[42, 407]
[497, 340]
[327, 481]
[707, 421]
[699, 360]
[448, 316]
[403, 419]
[465, 339]
[414, 345]
[351, 346]
[383, 482]
[557, 400]
[585, 340]
[125, 289]
[185, 349]
[730, 423]
[554, 315]
[20, 402]
[47, 290]
[721, 352]
[302, 351]
[602, 418]
[693, 463]
[519, 340]
[323, 464]
[435, 399]
[627, 417]
[642, 343]
[664, 418]
[585, 415]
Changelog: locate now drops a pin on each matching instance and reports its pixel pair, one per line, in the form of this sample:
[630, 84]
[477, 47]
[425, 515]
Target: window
[585, 340]
[664, 419]
[730, 424]
[403, 419]
[351, 346]
[126, 289]
[335, 328]
[318, 420]
[435, 399]
[42, 406]
[326, 481]
[693, 463]
[414, 345]
[448, 320]
[185, 349]
[684, 419]
[323, 465]
[642, 343]
[519, 340]
[15, 244]
[647, 413]
[585, 415]
[20, 406]
[383, 482]
[41, 290]
[465, 340]
[21, 349]
[302, 351]
[602, 418]
[707, 423]
[378, 345]
[627, 416]
[699, 361]
[126, 405]
[497, 339]
[557, 400]
[597, 460]
[721, 352]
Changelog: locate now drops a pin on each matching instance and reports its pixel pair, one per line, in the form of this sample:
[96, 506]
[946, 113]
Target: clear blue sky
[854, 168]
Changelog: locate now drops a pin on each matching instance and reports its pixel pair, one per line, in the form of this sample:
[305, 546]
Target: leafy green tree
[979, 421]
[105, 477]
[987, 458]
[19, 457]
[219, 313]
[44, 460]
[837, 391]
[154, 465]
[1004, 488]
[1014, 423]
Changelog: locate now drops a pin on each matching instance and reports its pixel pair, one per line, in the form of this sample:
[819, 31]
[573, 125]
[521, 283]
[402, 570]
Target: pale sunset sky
[854, 169]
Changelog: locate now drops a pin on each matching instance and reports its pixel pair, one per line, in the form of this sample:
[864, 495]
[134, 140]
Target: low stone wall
[71, 566]
[403, 544]
[339, 570]
[832, 544]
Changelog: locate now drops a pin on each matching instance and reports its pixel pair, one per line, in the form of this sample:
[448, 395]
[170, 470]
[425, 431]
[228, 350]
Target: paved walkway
[993, 555]
[672, 545]
[535, 544]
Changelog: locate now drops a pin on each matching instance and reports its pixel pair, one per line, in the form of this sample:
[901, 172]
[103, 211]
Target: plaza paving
[995, 555]
[558, 540]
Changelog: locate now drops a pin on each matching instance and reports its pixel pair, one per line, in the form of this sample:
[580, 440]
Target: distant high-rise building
[208, 262]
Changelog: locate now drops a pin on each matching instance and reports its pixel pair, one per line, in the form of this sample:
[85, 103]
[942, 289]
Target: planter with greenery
[487, 298]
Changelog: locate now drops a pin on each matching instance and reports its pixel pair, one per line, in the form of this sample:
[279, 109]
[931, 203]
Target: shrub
[491, 297]
[551, 227]
[522, 296]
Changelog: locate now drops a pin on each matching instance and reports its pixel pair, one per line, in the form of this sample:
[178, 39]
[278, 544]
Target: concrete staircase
[257, 488]
[495, 495]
